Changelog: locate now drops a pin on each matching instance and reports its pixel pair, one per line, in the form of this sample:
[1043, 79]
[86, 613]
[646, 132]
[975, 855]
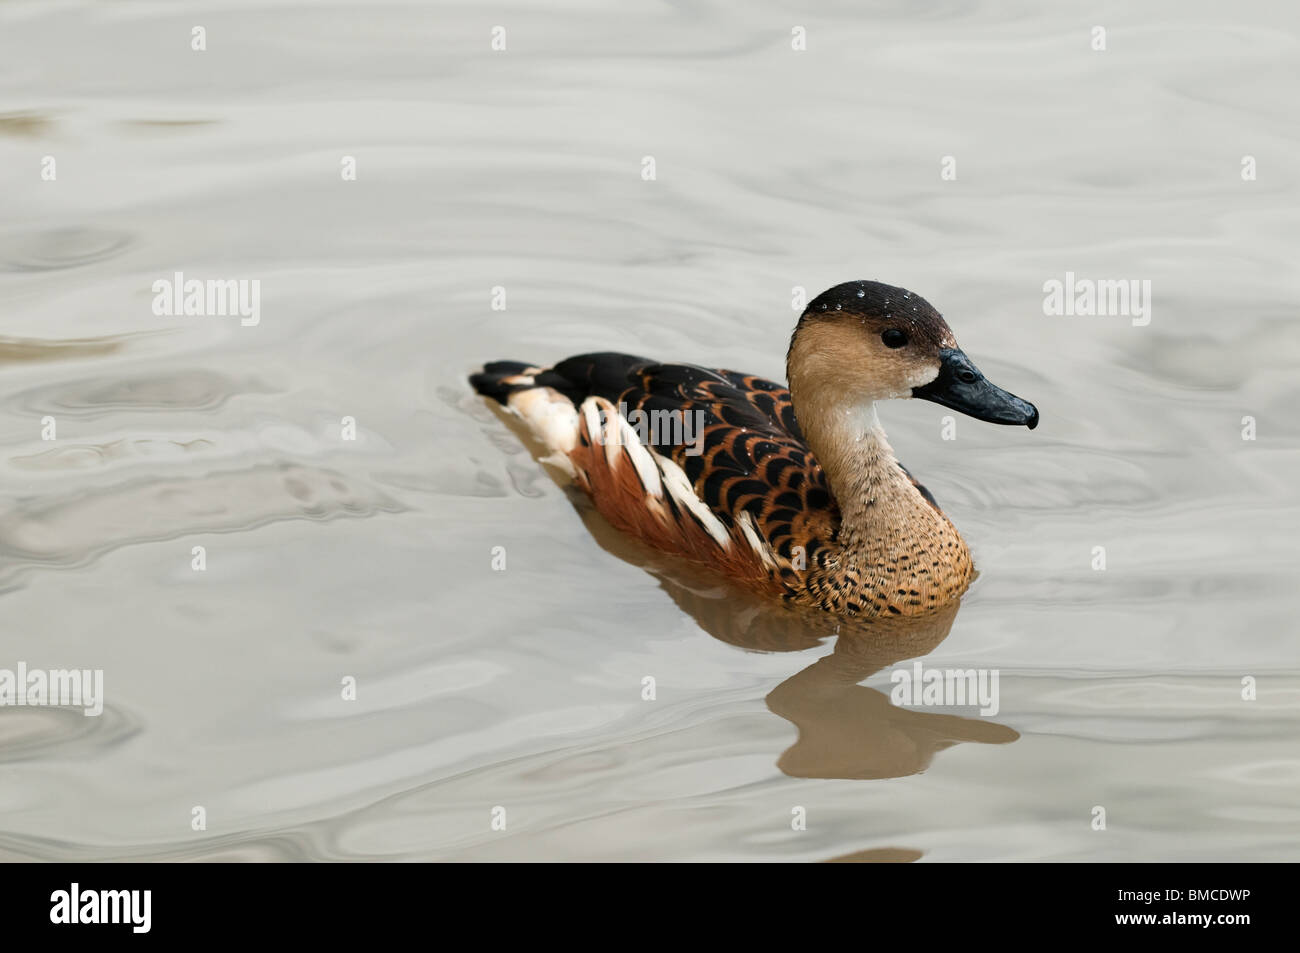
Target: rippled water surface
[372, 559]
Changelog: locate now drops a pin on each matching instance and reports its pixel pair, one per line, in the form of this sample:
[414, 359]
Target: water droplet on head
[862, 294]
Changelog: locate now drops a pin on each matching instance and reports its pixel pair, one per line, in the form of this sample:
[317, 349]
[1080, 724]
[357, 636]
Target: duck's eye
[894, 338]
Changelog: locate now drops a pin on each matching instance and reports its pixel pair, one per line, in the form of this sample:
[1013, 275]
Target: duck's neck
[878, 504]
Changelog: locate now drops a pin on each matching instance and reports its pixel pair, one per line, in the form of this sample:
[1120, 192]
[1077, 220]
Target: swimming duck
[791, 491]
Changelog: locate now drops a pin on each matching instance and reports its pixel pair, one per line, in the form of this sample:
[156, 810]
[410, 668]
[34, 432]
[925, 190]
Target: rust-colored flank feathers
[792, 492]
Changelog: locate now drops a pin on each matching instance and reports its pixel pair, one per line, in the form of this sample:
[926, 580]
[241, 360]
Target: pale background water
[522, 169]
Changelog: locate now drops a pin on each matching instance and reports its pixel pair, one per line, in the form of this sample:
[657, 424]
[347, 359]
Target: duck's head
[864, 341]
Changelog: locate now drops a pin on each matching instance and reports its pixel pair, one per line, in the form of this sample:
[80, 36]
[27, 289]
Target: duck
[790, 491]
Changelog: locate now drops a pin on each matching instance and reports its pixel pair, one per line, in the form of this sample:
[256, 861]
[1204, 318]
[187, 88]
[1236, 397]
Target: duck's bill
[961, 386]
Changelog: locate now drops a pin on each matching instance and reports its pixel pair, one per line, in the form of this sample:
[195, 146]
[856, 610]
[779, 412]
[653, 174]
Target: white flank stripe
[759, 544]
[643, 460]
[681, 490]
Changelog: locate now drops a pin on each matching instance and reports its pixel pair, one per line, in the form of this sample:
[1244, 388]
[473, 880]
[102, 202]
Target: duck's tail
[538, 396]
[500, 379]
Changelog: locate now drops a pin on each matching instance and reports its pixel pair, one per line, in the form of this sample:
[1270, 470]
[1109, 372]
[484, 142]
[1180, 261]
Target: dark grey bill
[961, 386]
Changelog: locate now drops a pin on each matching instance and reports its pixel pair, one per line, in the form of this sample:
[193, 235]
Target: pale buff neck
[878, 503]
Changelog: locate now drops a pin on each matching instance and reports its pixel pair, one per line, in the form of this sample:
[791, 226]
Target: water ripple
[56, 249]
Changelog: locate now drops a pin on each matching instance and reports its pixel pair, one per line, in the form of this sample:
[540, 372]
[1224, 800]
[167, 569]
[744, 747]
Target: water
[371, 559]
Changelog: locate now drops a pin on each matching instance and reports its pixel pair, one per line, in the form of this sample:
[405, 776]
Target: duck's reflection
[846, 730]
